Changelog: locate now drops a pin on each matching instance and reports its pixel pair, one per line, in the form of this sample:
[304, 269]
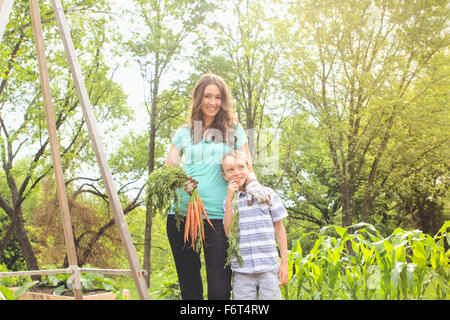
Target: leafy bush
[170, 290]
[364, 265]
[11, 281]
[89, 281]
[9, 294]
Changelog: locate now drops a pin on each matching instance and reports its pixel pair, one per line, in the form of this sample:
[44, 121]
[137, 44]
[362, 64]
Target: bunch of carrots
[163, 189]
[194, 226]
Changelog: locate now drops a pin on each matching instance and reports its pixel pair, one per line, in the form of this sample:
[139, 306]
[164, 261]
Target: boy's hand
[283, 274]
[233, 186]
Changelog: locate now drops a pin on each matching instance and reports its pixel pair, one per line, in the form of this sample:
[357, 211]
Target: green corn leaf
[411, 267]
[299, 249]
[341, 231]
[390, 253]
[395, 276]
[6, 293]
[441, 280]
[400, 252]
[373, 282]
[419, 254]
[443, 229]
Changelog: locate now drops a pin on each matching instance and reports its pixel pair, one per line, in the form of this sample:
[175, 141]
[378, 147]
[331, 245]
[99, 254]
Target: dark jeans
[187, 262]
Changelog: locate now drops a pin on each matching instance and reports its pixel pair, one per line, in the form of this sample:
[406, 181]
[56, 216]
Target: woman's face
[211, 101]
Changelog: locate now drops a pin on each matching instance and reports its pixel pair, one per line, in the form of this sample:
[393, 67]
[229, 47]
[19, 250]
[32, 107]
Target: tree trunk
[17, 224]
[151, 167]
[148, 244]
[27, 249]
[148, 213]
[347, 204]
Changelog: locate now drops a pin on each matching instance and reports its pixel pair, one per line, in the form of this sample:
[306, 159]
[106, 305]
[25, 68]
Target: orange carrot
[204, 213]
[202, 227]
[188, 218]
[193, 224]
[197, 220]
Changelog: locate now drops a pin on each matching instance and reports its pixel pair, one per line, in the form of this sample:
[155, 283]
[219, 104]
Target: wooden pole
[56, 157]
[5, 9]
[99, 151]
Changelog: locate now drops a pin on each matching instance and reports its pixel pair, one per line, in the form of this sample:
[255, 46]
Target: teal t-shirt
[202, 162]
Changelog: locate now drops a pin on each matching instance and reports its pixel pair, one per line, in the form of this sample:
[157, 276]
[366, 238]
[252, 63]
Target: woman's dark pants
[188, 264]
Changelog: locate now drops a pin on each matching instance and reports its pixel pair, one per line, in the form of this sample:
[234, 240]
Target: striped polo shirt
[256, 235]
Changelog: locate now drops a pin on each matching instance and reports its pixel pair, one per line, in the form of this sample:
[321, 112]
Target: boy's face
[235, 169]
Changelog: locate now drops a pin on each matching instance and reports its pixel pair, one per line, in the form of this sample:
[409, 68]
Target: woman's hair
[224, 121]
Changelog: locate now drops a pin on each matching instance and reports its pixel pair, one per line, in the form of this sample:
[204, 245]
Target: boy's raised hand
[233, 186]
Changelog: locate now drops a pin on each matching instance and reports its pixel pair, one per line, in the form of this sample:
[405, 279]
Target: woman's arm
[173, 157]
[173, 160]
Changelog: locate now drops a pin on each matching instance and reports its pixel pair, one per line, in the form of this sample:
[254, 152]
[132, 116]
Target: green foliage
[170, 290]
[11, 281]
[359, 263]
[163, 185]
[89, 281]
[373, 77]
[24, 149]
[233, 239]
[359, 90]
[9, 294]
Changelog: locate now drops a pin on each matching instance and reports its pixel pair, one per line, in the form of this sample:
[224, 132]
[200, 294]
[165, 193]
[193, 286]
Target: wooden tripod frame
[136, 272]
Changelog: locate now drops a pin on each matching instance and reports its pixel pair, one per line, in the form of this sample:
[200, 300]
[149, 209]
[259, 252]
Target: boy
[259, 225]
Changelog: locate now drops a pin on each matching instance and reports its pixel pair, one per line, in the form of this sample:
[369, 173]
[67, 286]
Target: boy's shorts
[247, 286]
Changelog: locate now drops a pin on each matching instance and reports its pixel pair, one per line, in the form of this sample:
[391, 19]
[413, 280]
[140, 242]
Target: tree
[243, 49]
[420, 166]
[306, 174]
[352, 66]
[167, 26]
[22, 125]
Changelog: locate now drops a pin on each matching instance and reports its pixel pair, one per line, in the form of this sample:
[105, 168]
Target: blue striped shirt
[256, 233]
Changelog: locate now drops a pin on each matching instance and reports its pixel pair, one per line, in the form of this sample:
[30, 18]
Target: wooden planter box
[86, 296]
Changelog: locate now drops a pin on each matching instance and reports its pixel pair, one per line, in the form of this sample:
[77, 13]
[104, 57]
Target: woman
[211, 131]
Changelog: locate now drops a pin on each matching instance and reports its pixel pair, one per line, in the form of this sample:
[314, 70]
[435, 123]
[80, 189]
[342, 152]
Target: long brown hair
[224, 120]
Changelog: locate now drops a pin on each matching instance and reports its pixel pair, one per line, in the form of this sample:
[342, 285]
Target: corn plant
[363, 265]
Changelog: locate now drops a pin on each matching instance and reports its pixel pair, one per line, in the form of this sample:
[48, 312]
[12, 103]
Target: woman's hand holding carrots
[190, 185]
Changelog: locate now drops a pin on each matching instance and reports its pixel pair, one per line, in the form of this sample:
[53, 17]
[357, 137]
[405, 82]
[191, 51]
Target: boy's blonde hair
[236, 154]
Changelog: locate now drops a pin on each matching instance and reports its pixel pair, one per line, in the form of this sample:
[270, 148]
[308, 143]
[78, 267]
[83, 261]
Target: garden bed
[39, 292]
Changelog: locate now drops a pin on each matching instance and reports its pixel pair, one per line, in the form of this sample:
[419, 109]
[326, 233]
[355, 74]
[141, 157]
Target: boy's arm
[280, 234]
[228, 217]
